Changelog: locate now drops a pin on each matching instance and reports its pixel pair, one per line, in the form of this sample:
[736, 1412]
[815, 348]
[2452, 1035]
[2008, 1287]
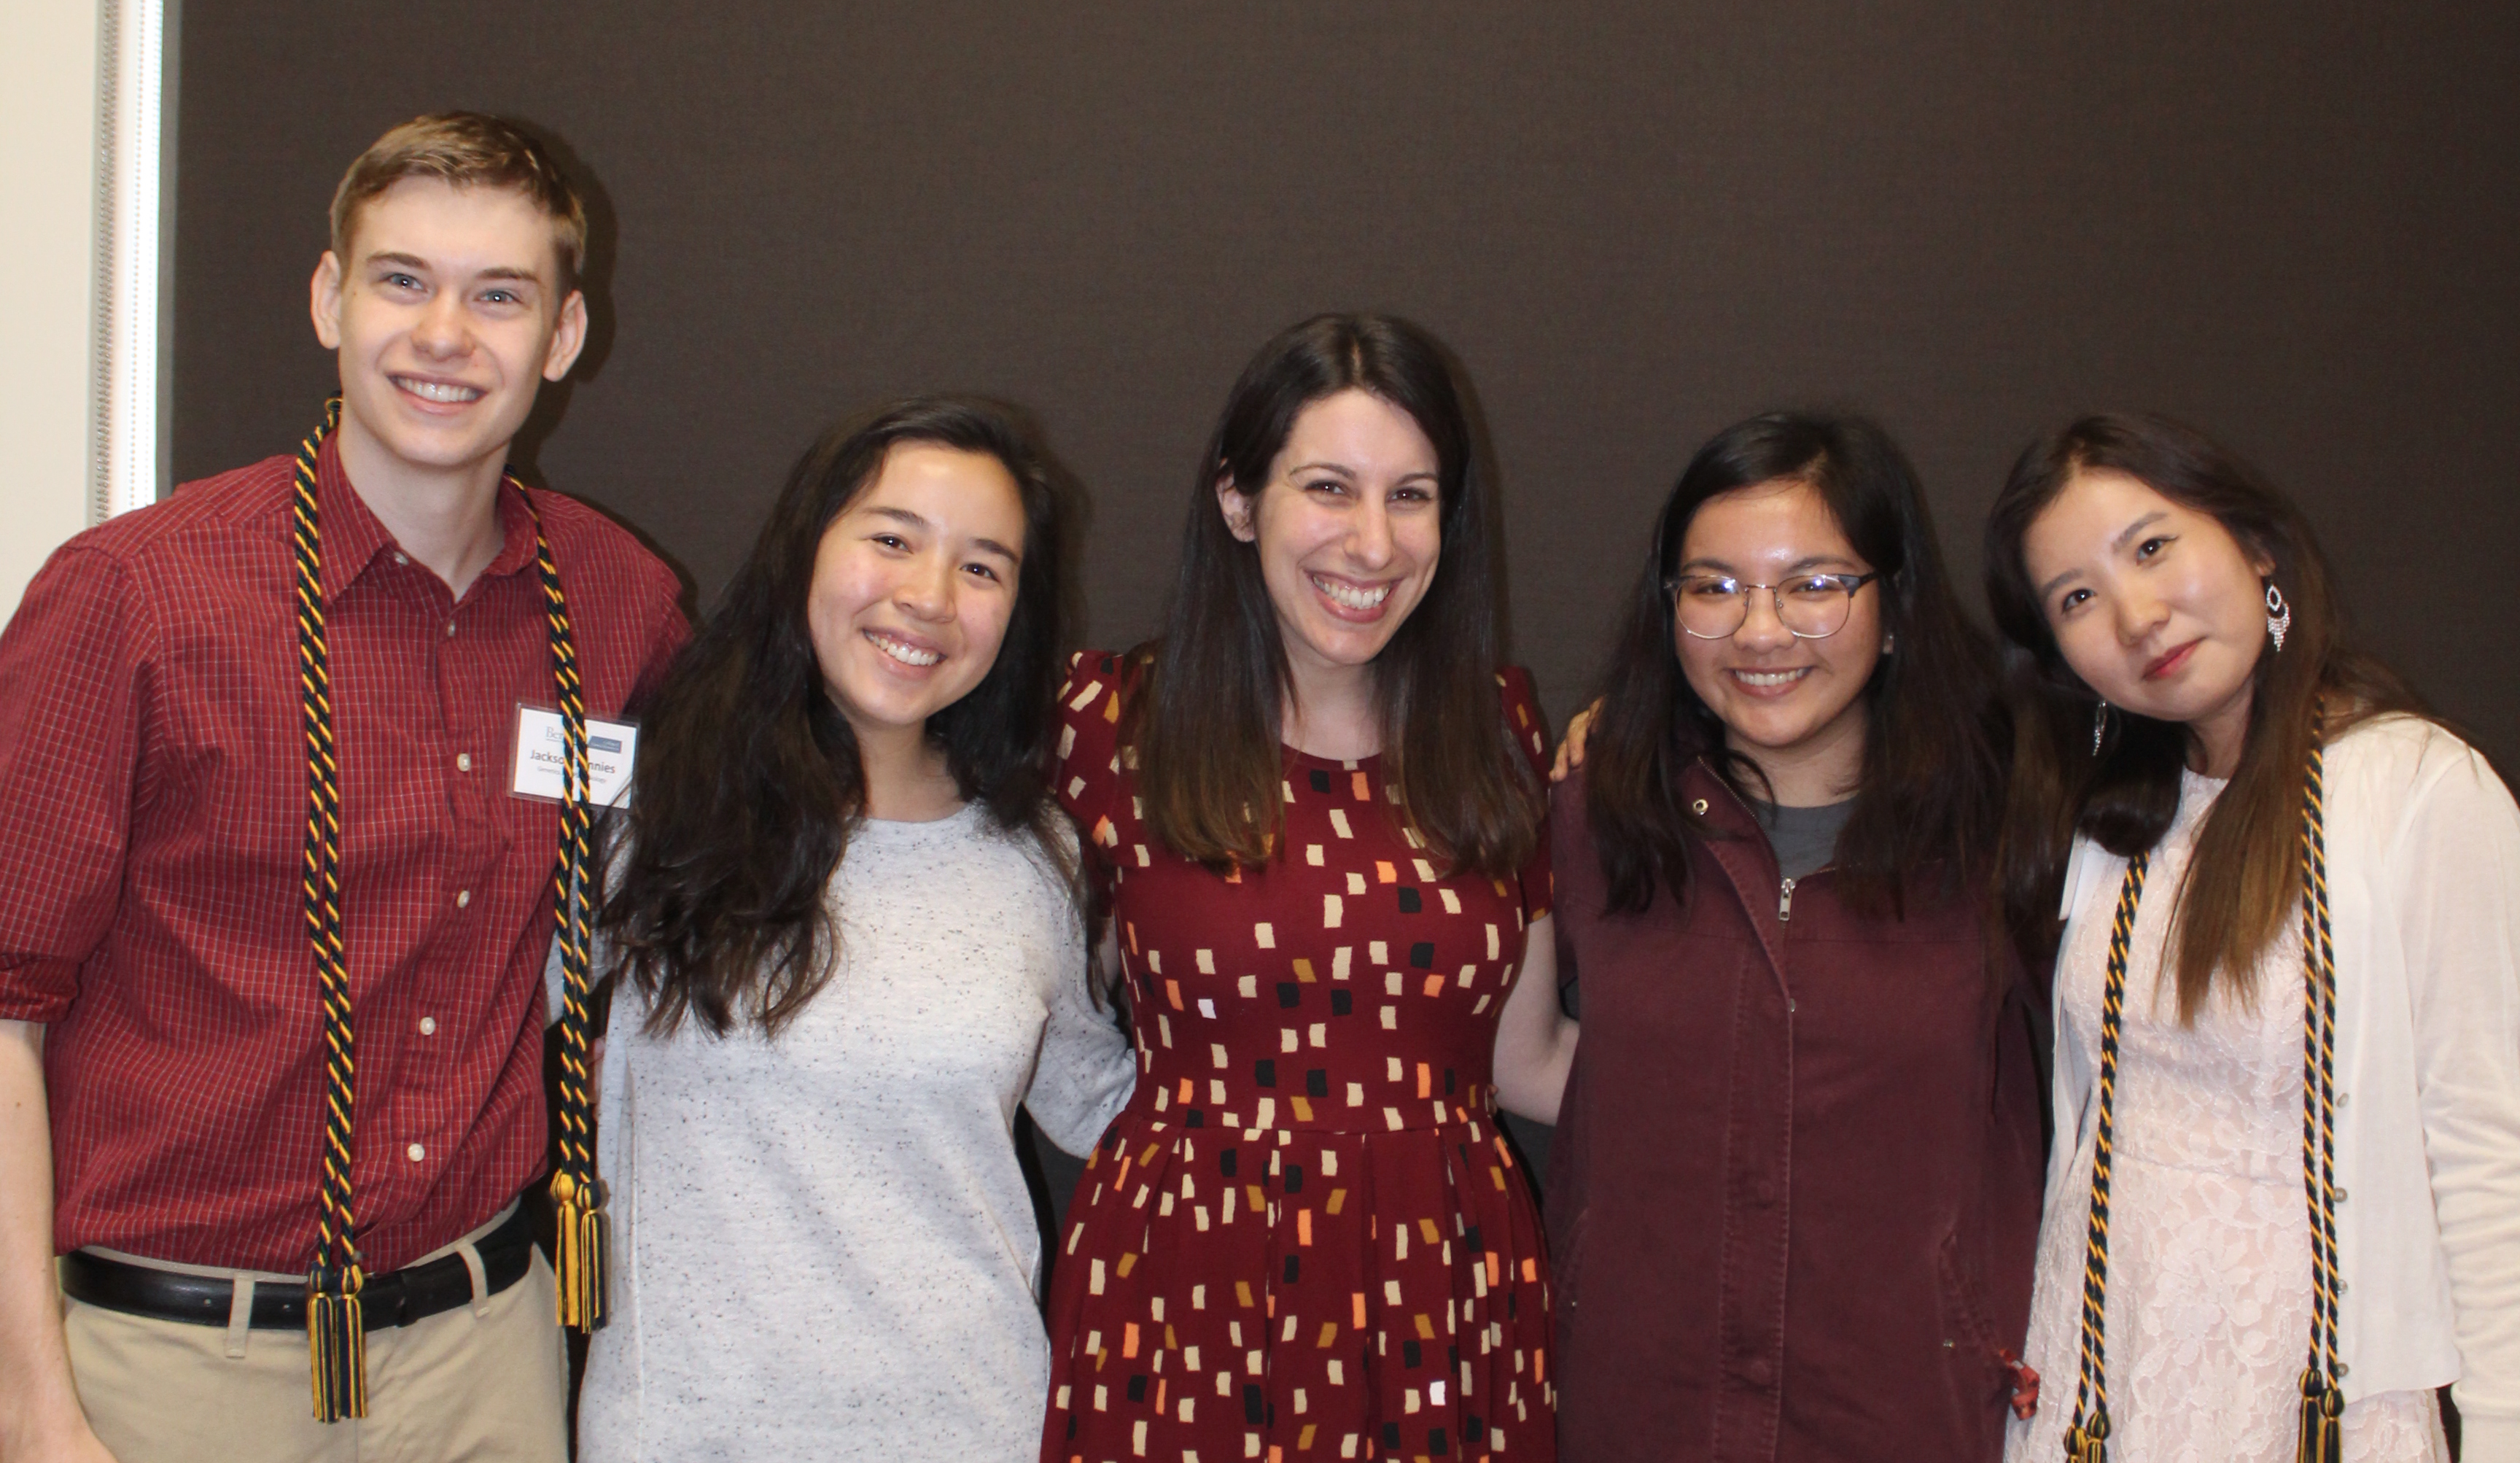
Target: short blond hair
[467, 150]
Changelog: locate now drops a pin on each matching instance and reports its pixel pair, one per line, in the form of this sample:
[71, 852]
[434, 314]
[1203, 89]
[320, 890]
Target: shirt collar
[354, 537]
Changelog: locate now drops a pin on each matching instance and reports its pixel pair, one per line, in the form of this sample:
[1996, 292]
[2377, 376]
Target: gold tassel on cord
[2323, 1421]
[581, 1212]
[2088, 1442]
[337, 1344]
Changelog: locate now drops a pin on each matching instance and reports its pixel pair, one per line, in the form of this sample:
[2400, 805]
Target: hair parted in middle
[1931, 789]
[2242, 885]
[748, 782]
[1205, 722]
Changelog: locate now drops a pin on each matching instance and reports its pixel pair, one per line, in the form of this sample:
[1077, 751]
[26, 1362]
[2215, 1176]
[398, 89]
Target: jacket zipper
[1784, 888]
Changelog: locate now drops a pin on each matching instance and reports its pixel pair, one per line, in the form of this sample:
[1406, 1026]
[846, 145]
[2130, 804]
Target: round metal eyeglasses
[1814, 606]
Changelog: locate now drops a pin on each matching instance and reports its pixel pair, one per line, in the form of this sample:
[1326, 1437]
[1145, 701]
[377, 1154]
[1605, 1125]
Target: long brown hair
[2240, 888]
[749, 783]
[1931, 786]
[1204, 724]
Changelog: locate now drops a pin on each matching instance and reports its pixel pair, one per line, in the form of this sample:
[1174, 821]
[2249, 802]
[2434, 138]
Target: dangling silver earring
[2278, 616]
[2099, 726]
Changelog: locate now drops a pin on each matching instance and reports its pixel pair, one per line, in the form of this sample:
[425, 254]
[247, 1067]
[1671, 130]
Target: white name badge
[541, 769]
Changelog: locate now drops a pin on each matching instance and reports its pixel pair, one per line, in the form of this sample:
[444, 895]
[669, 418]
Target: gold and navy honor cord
[2323, 1399]
[2323, 1393]
[2086, 1437]
[336, 1335]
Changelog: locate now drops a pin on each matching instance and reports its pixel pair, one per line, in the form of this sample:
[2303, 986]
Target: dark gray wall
[1634, 221]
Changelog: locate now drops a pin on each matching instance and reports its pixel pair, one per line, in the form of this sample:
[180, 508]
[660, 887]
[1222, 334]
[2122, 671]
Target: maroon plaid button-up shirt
[152, 816]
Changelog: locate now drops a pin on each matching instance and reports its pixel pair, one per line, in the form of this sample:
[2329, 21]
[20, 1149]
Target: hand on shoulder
[1570, 747]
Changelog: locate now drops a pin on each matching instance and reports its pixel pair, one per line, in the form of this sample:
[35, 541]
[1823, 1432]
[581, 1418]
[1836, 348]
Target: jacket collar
[1741, 851]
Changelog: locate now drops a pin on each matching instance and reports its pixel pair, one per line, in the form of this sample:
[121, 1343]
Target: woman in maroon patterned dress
[1305, 1238]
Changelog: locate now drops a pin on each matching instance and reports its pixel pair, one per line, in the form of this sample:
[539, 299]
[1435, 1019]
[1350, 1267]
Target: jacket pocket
[1976, 1357]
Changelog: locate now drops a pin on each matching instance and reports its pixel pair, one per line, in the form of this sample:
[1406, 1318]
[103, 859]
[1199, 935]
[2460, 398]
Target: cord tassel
[2323, 1421]
[582, 1238]
[337, 1344]
[2088, 1442]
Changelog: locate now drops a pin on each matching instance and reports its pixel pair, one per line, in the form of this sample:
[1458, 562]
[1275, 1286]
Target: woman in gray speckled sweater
[848, 923]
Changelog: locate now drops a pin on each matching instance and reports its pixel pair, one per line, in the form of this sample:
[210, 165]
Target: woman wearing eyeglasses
[1795, 1191]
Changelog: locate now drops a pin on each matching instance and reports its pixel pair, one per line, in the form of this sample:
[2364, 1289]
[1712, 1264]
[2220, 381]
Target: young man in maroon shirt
[171, 1056]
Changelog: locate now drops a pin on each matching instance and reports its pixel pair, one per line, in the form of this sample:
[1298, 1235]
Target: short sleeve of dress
[1089, 750]
[1528, 727]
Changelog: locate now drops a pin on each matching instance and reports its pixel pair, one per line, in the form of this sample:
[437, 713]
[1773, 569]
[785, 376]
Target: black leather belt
[410, 1294]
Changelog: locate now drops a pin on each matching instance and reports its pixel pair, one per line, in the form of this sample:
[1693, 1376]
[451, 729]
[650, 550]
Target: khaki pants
[479, 1382]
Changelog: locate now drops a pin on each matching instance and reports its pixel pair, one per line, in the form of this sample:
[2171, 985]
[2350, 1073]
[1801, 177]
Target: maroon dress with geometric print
[1305, 1237]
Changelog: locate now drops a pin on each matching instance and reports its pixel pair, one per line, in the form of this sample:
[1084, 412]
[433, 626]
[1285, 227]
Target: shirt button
[401, 558]
[428, 1025]
[450, 629]
[1759, 1372]
[463, 898]
[463, 761]
[416, 1153]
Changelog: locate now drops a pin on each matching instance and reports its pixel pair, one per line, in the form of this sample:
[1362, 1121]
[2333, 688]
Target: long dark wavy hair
[1206, 727]
[748, 783]
[2246, 872]
[1931, 787]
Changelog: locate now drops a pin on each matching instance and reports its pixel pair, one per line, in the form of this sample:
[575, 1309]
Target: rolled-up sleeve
[73, 686]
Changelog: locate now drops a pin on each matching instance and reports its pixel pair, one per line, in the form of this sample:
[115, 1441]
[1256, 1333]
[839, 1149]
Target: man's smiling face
[447, 317]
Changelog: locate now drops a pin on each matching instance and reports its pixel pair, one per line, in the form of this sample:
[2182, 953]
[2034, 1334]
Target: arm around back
[1535, 1039]
[1087, 1070]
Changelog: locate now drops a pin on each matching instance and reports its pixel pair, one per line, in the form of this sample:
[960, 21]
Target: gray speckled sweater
[822, 1245]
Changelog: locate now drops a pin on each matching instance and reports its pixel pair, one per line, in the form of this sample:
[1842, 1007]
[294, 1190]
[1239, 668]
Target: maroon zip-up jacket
[1794, 1194]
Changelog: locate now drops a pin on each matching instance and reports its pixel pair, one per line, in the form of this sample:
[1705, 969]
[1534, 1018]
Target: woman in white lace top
[2183, 678]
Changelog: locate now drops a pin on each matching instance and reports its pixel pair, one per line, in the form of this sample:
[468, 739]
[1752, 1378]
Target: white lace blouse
[2209, 1287]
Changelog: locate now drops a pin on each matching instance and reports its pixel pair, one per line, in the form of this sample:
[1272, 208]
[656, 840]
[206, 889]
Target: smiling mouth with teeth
[441, 391]
[1348, 596]
[1770, 678]
[906, 654]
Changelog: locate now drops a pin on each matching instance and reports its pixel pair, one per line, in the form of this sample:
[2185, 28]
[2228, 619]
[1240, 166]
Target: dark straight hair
[1931, 786]
[2240, 886]
[1206, 728]
[749, 783]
